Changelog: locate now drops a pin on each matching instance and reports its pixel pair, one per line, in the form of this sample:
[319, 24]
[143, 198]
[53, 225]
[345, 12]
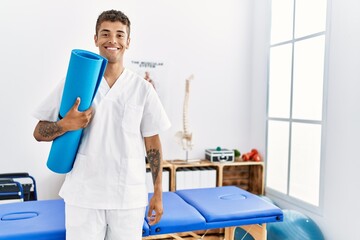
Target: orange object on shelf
[256, 158]
[253, 155]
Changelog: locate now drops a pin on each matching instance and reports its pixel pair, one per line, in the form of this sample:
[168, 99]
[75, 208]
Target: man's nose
[112, 40]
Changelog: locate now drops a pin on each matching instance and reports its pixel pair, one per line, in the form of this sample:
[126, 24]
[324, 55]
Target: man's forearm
[73, 120]
[154, 156]
[48, 131]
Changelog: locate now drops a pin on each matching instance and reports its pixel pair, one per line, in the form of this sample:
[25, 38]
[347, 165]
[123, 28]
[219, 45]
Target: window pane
[281, 20]
[310, 17]
[308, 78]
[280, 81]
[305, 162]
[277, 155]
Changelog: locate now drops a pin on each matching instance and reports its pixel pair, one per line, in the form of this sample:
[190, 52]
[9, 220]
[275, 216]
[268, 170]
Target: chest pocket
[132, 118]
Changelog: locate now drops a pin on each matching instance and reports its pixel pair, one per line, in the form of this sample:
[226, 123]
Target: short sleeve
[48, 109]
[155, 119]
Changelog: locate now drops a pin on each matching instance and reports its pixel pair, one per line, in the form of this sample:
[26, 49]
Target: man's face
[112, 40]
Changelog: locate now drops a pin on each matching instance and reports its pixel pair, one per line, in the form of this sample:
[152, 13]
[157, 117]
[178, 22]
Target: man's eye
[104, 35]
[121, 36]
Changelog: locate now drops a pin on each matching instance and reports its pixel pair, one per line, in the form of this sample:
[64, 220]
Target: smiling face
[112, 39]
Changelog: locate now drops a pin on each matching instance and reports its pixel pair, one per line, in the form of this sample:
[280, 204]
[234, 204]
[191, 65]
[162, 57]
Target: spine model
[184, 137]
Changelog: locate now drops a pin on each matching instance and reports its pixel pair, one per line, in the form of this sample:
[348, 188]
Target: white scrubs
[109, 170]
[94, 224]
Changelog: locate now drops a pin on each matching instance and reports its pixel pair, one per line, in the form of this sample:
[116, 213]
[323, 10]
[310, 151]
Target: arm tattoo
[49, 129]
[153, 156]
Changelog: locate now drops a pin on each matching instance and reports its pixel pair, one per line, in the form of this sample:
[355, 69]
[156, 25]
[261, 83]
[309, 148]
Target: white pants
[95, 224]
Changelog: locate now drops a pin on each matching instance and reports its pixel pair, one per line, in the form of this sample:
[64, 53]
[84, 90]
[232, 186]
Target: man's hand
[74, 120]
[155, 209]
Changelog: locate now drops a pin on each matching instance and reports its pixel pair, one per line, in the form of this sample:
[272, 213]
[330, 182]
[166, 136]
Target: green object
[237, 153]
[218, 149]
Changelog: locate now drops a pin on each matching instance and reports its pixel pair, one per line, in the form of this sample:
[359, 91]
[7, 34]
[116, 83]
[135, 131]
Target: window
[295, 100]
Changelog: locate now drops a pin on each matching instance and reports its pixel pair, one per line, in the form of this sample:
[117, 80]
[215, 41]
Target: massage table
[184, 211]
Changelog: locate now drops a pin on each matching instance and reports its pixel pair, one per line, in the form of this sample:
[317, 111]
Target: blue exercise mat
[83, 78]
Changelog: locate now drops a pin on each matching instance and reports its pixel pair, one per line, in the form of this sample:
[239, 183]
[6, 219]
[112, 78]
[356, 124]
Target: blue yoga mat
[83, 78]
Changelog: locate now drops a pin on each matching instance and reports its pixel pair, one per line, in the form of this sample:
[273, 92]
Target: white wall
[339, 219]
[224, 43]
[208, 38]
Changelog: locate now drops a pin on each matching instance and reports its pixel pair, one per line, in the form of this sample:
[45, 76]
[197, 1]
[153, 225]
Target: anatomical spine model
[184, 137]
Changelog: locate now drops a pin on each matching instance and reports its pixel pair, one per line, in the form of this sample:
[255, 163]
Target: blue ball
[267, 199]
[296, 226]
[240, 233]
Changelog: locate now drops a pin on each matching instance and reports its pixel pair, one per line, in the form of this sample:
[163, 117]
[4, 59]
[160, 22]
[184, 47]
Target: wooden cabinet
[246, 175]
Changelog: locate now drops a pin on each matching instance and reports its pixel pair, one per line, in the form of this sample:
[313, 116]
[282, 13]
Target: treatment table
[184, 211]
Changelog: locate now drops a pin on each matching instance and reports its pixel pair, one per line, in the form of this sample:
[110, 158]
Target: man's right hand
[74, 120]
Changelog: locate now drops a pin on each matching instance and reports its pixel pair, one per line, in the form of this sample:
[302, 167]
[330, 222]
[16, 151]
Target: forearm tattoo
[153, 156]
[49, 129]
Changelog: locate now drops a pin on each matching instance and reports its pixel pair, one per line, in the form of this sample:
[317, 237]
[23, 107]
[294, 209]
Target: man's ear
[96, 40]
[128, 43]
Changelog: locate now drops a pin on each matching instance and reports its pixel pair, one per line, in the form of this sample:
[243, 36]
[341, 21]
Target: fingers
[76, 104]
[150, 216]
[153, 216]
[157, 219]
[89, 111]
[86, 117]
[76, 119]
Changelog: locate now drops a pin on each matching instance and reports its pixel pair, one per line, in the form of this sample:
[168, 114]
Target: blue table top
[184, 210]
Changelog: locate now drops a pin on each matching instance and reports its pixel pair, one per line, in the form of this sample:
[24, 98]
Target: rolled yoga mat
[83, 78]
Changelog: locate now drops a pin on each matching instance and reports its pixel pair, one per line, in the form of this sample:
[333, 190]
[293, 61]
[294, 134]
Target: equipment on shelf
[219, 155]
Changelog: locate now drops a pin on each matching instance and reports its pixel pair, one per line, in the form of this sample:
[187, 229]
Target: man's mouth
[112, 48]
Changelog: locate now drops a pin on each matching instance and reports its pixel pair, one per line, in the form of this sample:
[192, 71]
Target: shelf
[246, 175]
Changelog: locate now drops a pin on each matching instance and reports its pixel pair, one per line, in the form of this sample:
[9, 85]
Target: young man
[105, 193]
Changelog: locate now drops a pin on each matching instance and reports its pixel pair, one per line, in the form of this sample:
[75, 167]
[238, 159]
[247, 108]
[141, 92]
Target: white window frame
[276, 195]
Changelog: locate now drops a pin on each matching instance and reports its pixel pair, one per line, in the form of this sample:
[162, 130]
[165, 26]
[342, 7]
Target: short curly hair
[112, 16]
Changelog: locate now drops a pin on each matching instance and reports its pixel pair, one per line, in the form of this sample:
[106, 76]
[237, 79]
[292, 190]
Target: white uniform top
[109, 170]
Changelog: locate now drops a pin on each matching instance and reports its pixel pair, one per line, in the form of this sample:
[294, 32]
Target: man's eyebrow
[106, 30]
